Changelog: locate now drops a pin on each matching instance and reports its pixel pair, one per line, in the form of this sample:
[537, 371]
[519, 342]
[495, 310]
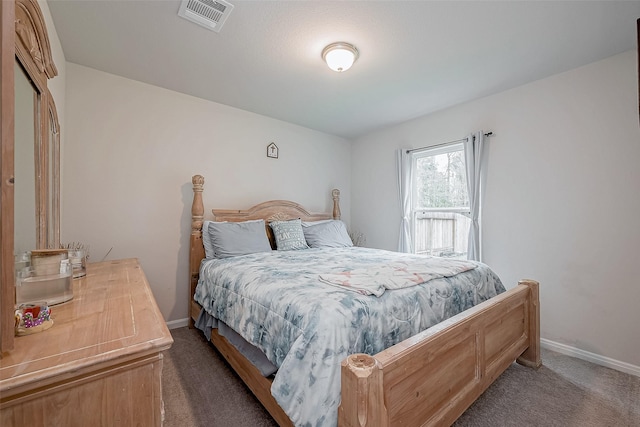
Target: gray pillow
[206, 240]
[231, 239]
[312, 223]
[331, 234]
[289, 235]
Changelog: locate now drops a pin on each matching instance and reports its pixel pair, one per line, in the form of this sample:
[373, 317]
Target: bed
[428, 378]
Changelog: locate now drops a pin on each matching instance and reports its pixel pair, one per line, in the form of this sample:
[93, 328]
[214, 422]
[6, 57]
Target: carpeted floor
[200, 389]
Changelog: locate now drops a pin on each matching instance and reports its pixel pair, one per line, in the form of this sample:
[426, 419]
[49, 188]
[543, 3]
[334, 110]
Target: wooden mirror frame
[24, 38]
[53, 176]
[7, 61]
[33, 52]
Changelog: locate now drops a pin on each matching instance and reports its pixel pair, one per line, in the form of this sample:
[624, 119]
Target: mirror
[24, 160]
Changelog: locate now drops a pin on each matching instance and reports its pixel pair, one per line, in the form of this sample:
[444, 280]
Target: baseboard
[627, 368]
[180, 323]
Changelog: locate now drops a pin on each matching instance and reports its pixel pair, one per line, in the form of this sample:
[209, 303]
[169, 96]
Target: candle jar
[78, 261]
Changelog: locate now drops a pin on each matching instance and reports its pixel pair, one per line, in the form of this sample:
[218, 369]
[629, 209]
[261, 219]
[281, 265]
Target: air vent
[210, 14]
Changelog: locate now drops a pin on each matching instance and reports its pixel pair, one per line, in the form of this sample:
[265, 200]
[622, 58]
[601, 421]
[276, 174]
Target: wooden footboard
[433, 377]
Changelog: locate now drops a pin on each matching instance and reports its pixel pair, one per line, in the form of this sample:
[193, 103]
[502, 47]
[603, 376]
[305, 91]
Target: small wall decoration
[272, 150]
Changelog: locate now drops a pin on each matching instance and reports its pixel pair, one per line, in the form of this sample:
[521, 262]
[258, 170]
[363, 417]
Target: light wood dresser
[100, 364]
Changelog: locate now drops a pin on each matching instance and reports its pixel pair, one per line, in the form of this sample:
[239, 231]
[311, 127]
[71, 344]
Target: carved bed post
[362, 393]
[196, 248]
[531, 357]
[335, 194]
[197, 207]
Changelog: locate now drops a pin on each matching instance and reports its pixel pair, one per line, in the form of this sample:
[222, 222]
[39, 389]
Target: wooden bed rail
[433, 377]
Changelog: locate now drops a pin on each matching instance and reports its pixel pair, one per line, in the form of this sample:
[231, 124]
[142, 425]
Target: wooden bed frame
[428, 379]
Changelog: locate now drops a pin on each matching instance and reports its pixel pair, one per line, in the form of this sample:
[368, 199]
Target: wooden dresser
[100, 364]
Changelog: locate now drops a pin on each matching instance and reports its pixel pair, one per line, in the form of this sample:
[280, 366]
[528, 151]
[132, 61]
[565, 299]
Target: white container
[53, 288]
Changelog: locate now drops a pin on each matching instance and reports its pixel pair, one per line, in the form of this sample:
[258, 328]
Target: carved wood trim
[197, 208]
[33, 37]
[55, 172]
[335, 195]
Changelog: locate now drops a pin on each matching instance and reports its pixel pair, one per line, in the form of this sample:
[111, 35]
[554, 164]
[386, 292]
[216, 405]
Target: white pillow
[327, 234]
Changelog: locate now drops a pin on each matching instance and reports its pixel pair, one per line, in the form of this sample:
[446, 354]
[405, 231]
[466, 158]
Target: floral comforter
[277, 302]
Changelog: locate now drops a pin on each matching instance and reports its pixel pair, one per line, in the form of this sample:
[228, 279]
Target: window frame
[418, 210]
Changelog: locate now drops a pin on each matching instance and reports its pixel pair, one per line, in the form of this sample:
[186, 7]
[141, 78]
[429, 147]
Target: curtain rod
[444, 143]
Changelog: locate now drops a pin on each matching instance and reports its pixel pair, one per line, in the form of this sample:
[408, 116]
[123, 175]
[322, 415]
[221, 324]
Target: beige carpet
[200, 389]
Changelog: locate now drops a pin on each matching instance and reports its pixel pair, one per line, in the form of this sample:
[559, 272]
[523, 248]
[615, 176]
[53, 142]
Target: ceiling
[416, 57]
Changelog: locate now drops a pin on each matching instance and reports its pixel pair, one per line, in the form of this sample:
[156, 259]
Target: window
[440, 212]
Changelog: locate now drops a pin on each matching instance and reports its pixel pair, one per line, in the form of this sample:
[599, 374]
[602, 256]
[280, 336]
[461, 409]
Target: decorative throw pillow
[289, 235]
[230, 239]
[331, 234]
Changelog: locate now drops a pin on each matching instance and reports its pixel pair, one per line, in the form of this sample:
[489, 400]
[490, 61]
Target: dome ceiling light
[340, 56]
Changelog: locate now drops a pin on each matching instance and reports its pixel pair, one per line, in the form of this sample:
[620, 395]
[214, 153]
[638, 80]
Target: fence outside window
[443, 234]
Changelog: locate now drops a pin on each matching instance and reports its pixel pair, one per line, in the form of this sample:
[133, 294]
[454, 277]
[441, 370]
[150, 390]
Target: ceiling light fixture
[340, 56]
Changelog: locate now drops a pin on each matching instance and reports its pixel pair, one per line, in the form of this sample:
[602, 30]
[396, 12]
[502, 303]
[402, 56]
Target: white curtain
[473, 151]
[404, 190]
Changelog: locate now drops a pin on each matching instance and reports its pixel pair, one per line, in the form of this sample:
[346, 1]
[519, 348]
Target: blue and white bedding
[276, 301]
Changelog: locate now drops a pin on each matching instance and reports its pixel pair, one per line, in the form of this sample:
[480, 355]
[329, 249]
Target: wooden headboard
[274, 210]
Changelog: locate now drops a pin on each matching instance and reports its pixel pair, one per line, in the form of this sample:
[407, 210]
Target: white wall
[562, 196]
[132, 148]
[57, 84]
